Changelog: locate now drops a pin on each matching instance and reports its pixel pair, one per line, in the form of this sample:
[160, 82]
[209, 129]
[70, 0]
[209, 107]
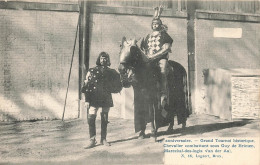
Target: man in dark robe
[100, 82]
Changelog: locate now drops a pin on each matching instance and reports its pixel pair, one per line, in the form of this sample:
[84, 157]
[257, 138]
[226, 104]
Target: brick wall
[229, 53]
[245, 97]
[35, 55]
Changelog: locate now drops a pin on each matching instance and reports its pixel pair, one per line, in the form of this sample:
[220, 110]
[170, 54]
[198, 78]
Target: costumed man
[100, 82]
[157, 46]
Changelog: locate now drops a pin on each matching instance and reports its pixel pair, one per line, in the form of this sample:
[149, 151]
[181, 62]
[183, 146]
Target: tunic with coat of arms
[101, 82]
[154, 42]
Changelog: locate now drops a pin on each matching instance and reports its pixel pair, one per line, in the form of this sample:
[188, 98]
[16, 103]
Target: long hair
[103, 54]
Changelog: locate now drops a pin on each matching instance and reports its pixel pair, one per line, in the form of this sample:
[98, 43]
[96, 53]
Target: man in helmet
[157, 46]
[100, 82]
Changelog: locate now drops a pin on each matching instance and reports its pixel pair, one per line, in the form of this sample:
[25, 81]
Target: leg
[153, 126]
[153, 132]
[163, 63]
[143, 127]
[140, 111]
[184, 124]
[92, 113]
[143, 112]
[170, 128]
[104, 122]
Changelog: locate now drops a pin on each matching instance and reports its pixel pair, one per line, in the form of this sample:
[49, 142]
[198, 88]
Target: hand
[87, 105]
[141, 45]
[150, 56]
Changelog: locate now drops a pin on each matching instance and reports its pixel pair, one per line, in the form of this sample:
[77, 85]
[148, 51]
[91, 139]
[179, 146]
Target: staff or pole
[70, 69]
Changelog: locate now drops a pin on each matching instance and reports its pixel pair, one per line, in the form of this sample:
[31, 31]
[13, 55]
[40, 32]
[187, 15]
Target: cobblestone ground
[58, 142]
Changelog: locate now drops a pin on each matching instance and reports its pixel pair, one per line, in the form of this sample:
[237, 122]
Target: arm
[166, 48]
[84, 87]
[83, 90]
[86, 80]
[142, 45]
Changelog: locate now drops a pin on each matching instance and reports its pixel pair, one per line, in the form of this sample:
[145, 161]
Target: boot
[104, 122]
[164, 94]
[141, 134]
[91, 143]
[92, 130]
[184, 125]
[153, 132]
[104, 142]
[170, 128]
[153, 137]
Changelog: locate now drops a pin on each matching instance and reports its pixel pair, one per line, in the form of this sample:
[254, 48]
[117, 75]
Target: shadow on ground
[58, 142]
[193, 130]
[200, 129]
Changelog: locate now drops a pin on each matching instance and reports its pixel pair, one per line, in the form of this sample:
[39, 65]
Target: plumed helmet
[157, 14]
[156, 18]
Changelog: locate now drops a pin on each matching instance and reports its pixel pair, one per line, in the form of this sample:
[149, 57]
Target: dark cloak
[178, 98]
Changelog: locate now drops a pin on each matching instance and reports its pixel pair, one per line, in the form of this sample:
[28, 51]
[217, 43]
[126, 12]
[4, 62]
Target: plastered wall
[35, 56]
[107, 31]
[223, 52]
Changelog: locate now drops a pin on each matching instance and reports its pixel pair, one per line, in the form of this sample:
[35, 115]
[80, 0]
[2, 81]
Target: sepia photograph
[100, 82]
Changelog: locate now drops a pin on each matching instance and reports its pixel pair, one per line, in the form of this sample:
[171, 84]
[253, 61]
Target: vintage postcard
[129, 82]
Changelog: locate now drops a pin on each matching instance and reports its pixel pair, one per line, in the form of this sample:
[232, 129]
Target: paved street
[57, 142]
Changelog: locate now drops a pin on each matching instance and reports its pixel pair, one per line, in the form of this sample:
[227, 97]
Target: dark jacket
[101, 83]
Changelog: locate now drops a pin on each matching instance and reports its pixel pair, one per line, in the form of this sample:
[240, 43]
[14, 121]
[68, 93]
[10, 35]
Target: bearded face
[103, 61]
[156, 25]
